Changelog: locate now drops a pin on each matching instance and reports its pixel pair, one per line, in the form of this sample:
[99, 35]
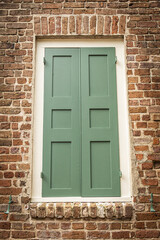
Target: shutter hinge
[115, 59]
[120, 174]
[42, 175]
[44, 60]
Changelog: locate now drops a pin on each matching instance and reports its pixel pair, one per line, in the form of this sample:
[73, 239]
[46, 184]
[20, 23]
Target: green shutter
[61, 134]
[80, 137]
[100, 151]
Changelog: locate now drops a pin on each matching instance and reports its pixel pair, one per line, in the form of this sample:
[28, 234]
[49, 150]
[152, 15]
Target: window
[88, 119]
[80, 140]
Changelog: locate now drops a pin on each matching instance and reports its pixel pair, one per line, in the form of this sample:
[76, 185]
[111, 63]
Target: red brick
[147, 234]
[5, 225]
[103, 226]
[85, 29]
[122, 24]
[141, 125]
[17, 142]
[25, 126]
[48, 234]
[15, 95]
[44, 25]
[100, 25]
[107, 25]
[147, 165]
[139, 157]
[139, 225]
[58, 25]
[3, 166]
[43, 226]
[120, 235]
[154, 157]
[5, 183]
[98, 235]
[137, 109]
[23, 234]
[51, 25]
[91, 226]
[154, 189]
[65, 226]
[151, 225]
[155, 94]
[93, 25]
[16, 118]
[115, 226]
[115, 21]
[76, 226]
[19, 174]
[4, 150]
[71, 24]
[10, 158]
[78, 24]
[10, 191]
[4, 234]
[76, 210]
[8, 175]
[126, 225]
[18, 217]
[50, 226]
[150, 182]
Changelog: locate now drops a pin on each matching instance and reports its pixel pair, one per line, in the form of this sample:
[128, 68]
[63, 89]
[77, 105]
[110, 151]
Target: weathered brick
[120, 235]
[93, 25]
[4, 234]
[66, 225]
[23, 234]
[76, 226]
[91, 226]
[5, 225]
[10, 158]
[151, 182]
[74, 235]
[115, 21]
[5, 183]
[147, 234]
[98, 235]
[50, 226]
[19, 217]
[48, 234]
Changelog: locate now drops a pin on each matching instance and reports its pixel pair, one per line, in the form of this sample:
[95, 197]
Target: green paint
[61, 138]
[80, 142]
[100, 152]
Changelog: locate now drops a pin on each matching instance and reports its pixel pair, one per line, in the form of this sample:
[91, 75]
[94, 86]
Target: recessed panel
[100, 161]
[61, 165]
[61, 118]
[99, 118]
[98, 77]
[61, 76]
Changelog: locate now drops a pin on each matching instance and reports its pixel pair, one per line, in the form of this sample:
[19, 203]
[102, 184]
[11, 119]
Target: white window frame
[123, 122]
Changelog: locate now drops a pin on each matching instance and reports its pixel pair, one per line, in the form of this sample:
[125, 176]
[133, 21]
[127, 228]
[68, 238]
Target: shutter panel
[61, 138]
[100, 151]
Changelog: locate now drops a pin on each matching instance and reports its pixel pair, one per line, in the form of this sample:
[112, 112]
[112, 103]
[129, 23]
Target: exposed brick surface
[138, 22]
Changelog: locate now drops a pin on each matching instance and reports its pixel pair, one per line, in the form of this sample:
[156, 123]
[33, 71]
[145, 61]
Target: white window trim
[124, 138]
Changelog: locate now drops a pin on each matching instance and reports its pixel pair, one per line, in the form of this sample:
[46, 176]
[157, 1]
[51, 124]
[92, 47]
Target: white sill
[80, 199]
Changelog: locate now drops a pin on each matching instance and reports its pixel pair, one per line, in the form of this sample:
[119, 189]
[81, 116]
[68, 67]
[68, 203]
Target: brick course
[138, 22]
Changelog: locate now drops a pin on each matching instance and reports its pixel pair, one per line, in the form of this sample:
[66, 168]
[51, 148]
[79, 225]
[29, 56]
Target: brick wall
[20, 21]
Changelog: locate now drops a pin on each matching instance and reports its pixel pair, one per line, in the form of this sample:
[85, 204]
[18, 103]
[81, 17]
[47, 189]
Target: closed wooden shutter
[61, 140]
[100, 151]
[80, 142]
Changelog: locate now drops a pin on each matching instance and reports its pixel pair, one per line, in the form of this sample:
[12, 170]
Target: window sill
[80, 199]
[79, 210]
